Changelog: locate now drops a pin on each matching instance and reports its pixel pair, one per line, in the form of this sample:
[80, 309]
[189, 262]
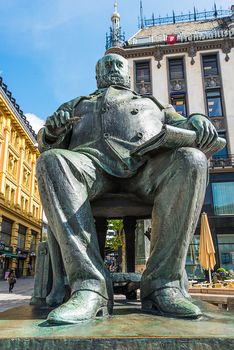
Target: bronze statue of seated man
[86, 149]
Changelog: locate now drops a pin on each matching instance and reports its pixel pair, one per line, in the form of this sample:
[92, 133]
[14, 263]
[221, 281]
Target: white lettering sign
[206, 35]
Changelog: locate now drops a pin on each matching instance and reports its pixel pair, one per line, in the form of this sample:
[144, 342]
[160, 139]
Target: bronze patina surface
[87, 150]
[24, 328]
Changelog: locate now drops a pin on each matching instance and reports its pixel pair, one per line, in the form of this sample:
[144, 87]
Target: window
[176, 68]
[177, 85]
[193, 267]
[33, 241]
[12, 196]
[223, 197]
[179, 103]
[223, 153]
[210, 65]
[5, 235]
[143, 79]
[226, 250]
[214, 103]
[21, 236]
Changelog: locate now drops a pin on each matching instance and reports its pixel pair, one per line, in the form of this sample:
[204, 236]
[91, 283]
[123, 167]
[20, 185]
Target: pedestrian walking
[11, 280]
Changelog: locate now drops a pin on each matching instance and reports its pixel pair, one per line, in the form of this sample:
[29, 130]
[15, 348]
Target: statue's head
[112, 69]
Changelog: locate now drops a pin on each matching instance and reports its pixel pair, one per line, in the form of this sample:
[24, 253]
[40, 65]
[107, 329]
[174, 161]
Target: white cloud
[36, 122]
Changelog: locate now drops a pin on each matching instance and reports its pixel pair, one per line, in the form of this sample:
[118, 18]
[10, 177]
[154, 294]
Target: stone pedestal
[129, 329]
[43, 276]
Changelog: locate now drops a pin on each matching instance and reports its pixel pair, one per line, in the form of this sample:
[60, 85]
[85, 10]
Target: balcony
[222, 162]
[177, 85]
[143, 88]
[212, 81]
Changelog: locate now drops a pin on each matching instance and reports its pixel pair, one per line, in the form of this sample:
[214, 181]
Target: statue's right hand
[56, 124]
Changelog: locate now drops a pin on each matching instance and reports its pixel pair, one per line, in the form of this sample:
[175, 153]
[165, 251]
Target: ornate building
[20, 207]
[188, 61]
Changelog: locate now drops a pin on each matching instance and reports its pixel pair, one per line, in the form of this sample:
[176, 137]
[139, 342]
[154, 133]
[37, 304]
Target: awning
[8, 254]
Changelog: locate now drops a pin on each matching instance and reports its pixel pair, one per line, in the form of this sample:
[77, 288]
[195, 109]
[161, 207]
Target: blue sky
[49, 47]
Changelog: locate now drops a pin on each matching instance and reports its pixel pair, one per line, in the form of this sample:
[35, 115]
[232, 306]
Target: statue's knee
[193, 159]
[46, 160]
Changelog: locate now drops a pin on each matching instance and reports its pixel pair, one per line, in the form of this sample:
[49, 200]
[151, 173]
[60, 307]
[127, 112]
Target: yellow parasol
[206, 248]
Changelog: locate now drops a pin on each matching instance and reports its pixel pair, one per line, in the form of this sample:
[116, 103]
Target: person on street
[11, 281]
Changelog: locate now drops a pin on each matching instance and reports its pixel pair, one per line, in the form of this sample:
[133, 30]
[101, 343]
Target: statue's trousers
[174, 182]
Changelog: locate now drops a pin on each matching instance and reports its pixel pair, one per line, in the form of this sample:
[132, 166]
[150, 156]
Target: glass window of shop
[5, 234]
[223, 198]
[21, 236]
[226, 251]
[193, 267]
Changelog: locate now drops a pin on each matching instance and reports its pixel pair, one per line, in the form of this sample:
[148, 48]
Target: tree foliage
[115, 242]
[116, 224]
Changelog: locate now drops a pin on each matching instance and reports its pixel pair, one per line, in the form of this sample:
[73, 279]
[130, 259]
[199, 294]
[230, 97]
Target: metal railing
[189, 17]
[222, 162]
[115, 39]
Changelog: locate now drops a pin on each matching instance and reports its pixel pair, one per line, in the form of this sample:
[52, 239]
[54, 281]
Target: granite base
[25, 328]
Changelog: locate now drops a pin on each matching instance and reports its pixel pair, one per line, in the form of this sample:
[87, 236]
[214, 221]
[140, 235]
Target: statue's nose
[114, 68]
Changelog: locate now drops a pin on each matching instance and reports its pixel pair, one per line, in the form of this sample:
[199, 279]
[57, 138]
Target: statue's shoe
[169, 301]
[83, 305]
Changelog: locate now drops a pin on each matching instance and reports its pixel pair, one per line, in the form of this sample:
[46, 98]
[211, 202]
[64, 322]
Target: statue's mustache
[114, 75]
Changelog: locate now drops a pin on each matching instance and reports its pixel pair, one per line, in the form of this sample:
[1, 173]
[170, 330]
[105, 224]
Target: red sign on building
[171, 39]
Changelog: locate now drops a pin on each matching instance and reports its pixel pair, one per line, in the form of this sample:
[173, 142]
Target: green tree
[115, 242]
[117, 225]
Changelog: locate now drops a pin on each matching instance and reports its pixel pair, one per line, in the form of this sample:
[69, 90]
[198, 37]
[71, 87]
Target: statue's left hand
[206, 132]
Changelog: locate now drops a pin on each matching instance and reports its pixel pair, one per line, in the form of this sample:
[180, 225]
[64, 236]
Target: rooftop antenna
[173, 15]
[194, 13]
[115, 7]
[215, 10]
[115, 19]
[141, 14]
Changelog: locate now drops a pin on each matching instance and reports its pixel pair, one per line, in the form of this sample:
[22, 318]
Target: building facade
[20, 207]
[188, 61]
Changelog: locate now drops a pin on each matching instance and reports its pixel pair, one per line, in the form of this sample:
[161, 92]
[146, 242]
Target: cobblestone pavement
[21, 295]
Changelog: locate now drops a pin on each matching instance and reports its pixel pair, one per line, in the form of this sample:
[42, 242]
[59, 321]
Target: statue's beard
[112, 79]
